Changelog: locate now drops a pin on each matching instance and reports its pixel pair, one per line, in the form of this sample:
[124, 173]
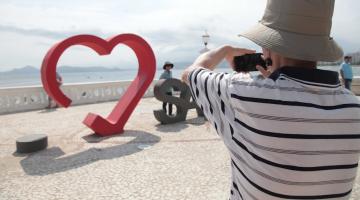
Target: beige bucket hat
[297, 29]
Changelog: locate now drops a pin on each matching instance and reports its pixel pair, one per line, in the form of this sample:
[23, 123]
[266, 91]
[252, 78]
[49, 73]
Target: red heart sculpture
[115, 122]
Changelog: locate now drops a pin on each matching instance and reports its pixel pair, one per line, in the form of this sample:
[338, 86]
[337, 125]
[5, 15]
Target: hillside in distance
[61, 69]
[75, 69]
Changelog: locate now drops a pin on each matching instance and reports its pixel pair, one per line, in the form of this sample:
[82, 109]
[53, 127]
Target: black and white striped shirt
[294, 135]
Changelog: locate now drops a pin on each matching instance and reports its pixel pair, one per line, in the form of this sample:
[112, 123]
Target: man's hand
[211, 59]
[265, 73]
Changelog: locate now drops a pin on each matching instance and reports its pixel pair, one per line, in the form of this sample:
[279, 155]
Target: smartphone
[248, 62]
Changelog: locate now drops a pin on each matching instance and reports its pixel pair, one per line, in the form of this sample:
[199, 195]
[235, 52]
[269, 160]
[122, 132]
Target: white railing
[20, 99]
[355, 88]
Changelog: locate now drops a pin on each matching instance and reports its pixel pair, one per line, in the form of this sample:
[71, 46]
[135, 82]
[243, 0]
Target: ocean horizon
[34, 79]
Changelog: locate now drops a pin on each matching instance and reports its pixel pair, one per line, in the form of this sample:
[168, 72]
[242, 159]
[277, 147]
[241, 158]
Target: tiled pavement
[149, 161]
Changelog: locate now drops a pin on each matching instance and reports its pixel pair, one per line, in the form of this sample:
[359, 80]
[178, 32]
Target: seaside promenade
[149, 161]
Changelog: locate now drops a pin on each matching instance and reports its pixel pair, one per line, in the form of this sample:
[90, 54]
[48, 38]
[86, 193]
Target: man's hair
[347, 57]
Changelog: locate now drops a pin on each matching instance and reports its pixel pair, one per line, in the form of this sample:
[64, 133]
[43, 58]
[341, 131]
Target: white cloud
[173, 28]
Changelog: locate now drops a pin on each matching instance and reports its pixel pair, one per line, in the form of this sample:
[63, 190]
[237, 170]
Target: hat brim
[295, 45]
[171, 65]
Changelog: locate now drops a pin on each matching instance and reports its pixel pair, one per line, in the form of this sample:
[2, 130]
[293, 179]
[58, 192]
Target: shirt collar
[308, 75]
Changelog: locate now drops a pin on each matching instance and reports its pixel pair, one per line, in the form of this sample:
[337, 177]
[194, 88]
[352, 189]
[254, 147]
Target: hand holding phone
[248, 62]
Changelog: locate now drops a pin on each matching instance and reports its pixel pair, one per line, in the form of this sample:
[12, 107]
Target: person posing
[346, 72]
[167, 74]
[296, 133]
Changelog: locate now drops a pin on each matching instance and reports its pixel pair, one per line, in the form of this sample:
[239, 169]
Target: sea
[33, 79]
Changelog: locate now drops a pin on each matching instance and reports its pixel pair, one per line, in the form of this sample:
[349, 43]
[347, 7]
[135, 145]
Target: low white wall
[20, 99]
[355, 88]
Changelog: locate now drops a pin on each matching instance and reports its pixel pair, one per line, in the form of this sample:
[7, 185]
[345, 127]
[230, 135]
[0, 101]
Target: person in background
[346, 72]
[167, 74]
[60, 82]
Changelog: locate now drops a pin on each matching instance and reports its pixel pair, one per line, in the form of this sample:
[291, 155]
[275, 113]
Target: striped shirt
[294, 135]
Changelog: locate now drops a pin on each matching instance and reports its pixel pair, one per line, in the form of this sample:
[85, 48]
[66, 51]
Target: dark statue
[182, 103]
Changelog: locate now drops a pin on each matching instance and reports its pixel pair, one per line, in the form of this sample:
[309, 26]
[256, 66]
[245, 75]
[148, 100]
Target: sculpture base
[31, 143]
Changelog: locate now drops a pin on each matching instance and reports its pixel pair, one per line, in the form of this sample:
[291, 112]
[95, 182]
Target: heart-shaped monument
[115, 122]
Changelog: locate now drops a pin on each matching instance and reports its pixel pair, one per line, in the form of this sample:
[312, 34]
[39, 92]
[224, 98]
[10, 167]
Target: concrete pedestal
[31, 143]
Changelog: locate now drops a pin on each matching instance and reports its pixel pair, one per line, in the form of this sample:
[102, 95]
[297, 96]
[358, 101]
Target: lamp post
[206, 39]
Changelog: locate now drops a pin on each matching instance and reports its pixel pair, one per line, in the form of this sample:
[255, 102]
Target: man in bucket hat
[294, 134]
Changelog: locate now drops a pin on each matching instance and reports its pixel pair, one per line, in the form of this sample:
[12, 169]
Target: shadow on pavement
[54, 160]
[177, 127]
[171, 128]
[48, 110]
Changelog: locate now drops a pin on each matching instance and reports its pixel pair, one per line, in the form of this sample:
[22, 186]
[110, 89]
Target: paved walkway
[149, 161]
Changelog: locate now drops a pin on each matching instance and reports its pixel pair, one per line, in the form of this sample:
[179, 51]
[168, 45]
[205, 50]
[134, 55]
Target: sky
[173, 28]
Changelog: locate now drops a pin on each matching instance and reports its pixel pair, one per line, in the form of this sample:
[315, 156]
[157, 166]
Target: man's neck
[297, 63]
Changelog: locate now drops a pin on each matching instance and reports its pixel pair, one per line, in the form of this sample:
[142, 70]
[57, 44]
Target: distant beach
[32, 79]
